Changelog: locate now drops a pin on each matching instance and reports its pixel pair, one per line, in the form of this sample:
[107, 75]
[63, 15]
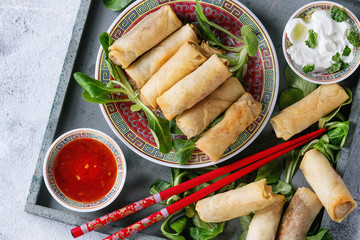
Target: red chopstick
[259, 159]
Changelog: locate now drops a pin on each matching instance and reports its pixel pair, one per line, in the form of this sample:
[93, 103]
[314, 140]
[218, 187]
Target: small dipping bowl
[60, 143]
[322, 78]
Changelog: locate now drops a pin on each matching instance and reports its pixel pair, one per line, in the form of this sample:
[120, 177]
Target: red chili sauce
[85, 170]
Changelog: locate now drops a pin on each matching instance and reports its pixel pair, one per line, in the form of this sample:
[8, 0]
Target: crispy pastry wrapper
[147, 65]
[328, 185]
[299, 215]
[309, 110]
[194, 120]
[235, 203]
[237, 118]
[210, 50]
[194, 87]
[151, 30]
[265, 222]
[188, 58]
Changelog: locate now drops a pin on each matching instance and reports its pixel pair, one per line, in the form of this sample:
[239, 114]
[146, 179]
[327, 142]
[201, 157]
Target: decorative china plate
[261, 79]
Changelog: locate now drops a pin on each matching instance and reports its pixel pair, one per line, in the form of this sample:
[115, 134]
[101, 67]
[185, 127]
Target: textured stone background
[34, 36]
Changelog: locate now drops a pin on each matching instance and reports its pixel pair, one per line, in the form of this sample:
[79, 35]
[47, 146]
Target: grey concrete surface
[34, 38]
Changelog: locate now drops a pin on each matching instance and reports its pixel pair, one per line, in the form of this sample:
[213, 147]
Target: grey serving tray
[70, 111]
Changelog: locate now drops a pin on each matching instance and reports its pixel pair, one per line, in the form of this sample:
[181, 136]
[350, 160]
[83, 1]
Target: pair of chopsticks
[246, 165]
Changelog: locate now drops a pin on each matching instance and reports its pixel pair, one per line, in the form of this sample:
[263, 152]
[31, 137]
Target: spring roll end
[341, 210]
[152, 105]
[280, 133]
[119, 57]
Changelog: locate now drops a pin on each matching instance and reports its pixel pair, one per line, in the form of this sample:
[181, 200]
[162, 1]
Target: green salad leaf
[250, 40]
[283, 188]
[205, 231]
[241, 53]
[187, 222]
[346, 51]
[308, 68]
[95, 91]
[183, 150]
[338, 14]
[245, 223]
[205, 26]
[353, 38]
[159, 128]
[327, 149]
[271, 172]
[290, 96]
[174, 128]
[323, 234]
[298, 88]
[338, 132]
[294, 81]
[292, 159]
[116, 5]
[174, 225]
[327, 118]
[328, 144]
[159, 185]
[312, 42]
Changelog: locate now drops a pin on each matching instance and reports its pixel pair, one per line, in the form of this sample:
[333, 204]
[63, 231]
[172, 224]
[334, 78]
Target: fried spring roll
[235, 203]
[237, 118]
[327, 184]
[210, 50]
[151, 30]
[148, 64]
[299, 215]
[194, 87]
[188, 58]
[307, 111]
[265, 222]
[194, 120]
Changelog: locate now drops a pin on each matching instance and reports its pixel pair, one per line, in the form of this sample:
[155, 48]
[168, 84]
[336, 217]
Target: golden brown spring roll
[148, 64]
[236, 119]
[299, 215]
[235, 203]
[151, 30]
[194, 87]
[327, 184]
[194, 120]
[188, 58]
[210, 50]
[265, 222]
[307, 111]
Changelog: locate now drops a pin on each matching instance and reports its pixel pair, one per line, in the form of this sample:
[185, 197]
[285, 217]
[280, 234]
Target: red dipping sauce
[85, 170]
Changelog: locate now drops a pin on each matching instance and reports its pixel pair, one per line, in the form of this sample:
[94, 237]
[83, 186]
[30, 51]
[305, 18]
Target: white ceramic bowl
[322, 78]
[58, 195]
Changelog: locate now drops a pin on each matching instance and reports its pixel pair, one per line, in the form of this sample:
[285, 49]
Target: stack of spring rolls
[187, 81]
[329, 191]
[268, 222]
[255, 197]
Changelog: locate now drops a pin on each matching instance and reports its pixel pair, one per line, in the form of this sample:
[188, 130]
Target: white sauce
[331, 38]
